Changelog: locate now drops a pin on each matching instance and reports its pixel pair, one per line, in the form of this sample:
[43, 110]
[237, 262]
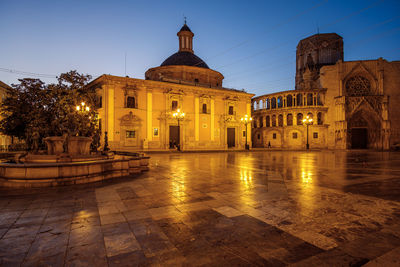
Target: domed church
[181, 104]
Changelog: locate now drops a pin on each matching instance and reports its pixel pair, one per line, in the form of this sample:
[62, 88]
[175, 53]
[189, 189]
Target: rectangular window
[244, 133]
[174, 105]
[99, 102]
[230, 110]
[294, 135]
[274, 136]
[315, 135]
[155, 132]
[130, 134]
[258, 136]
[204, 108]
[130, 102]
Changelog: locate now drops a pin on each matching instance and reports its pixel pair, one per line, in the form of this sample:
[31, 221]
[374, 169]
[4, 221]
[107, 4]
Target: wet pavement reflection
[244, 208]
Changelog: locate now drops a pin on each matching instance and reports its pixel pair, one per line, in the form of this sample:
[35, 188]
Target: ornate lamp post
[246, 120]
[179, 116]
[82, 107]
[307, 121]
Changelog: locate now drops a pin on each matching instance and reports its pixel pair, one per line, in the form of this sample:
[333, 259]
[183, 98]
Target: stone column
[196, 119]
[149, 116]
[212, 120]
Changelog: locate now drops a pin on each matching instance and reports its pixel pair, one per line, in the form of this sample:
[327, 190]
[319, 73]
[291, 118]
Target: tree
[50, 110]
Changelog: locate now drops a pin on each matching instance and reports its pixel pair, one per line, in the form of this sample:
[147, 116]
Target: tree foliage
[31, 106]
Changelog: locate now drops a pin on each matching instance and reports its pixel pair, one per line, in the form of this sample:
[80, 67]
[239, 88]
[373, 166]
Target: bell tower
[185, 39]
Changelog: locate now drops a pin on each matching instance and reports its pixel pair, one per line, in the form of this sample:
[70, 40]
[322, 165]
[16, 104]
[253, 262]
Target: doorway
[359, 138]
[173, 136]
[231, 137]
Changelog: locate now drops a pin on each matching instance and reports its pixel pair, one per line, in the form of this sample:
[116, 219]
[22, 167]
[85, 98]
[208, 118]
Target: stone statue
[35, 140]
[65, 137]
[95, 141]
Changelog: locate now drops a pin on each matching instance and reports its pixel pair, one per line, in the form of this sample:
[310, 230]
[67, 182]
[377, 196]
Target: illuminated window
[130, 102]
[315, 135]
[174, 105]
[230, 110]
[294, 135]
[130, 134]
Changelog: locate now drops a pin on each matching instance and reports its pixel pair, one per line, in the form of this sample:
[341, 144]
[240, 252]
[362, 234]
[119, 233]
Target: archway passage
[364, 129]
[359, 138]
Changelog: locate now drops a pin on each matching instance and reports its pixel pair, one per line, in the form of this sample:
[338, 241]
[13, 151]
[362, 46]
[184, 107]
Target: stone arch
[289, 119]
[364, 129]
[309, 99]
[299, 99]
[267, 121]
[273, 102]
[299, 118]
[289, 100]
[273, 120]
[280, 120]
[280, 102]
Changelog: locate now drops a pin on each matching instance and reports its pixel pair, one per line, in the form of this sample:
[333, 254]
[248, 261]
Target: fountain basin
[19, 175]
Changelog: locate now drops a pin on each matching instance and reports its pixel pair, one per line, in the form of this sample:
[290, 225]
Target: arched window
[319, 118]
[130, 102]
[310, 116]
[299, 99]
[280, 102]
[267, 122]
[273, 121]
[267, 103]
[289, 101]
[261, 122]
[273, 102]
[309, 99]
[299, 119]
[254, 105]
[289, 119]
[319, 100]
[280, 120]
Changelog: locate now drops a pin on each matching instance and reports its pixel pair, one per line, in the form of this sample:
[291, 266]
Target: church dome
[185, 58]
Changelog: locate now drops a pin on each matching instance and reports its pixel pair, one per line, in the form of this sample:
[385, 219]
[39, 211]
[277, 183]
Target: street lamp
[308, 120]
[246, 119]
[179, 116]
[82, 107]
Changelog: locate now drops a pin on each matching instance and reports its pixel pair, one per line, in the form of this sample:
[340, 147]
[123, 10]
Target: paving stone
[93, 254]
[215, 209]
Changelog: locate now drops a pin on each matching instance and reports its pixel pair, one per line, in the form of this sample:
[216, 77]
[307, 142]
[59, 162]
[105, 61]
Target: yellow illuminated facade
[139, 114]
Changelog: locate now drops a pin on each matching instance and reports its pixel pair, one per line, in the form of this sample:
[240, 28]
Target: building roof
[185, 58]
[185, 28]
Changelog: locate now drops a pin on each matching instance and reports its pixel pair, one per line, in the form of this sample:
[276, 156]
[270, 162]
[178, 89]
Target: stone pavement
[215, 209]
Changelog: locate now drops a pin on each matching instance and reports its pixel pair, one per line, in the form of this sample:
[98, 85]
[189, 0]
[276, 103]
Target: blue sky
[252, 43]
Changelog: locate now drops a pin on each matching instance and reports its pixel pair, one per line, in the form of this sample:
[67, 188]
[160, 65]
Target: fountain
[68, 161]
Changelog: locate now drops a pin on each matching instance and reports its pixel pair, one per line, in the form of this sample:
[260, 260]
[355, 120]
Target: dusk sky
[252, 43]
